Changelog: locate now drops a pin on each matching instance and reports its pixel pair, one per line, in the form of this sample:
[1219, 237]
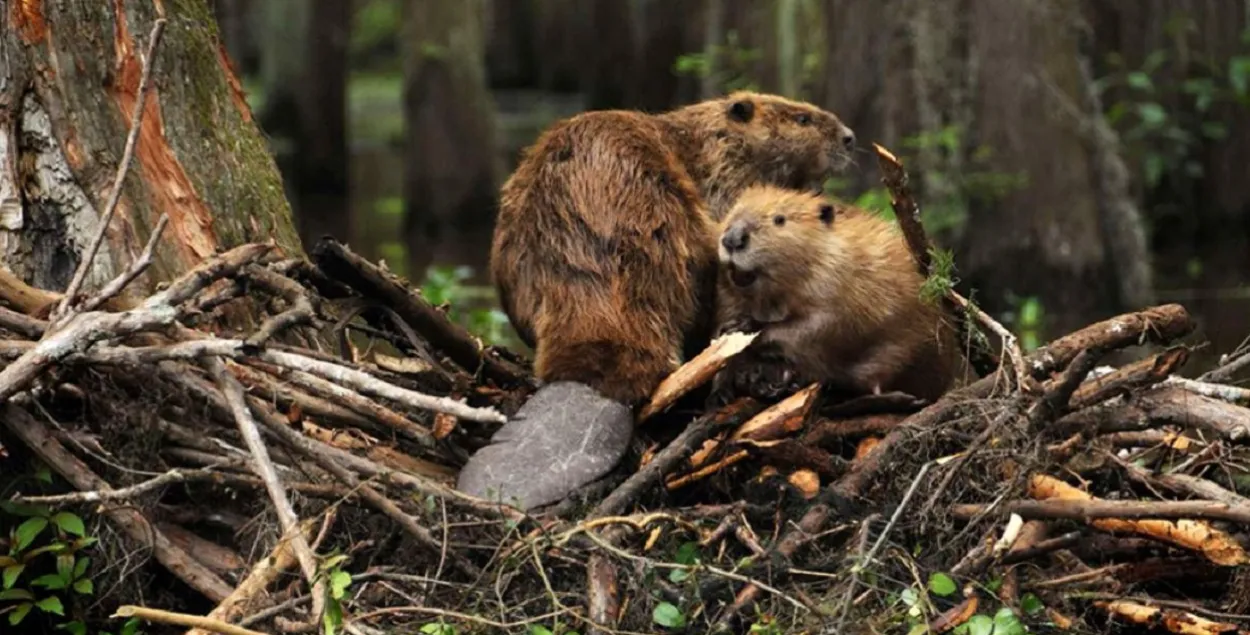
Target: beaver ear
[742, 110]
[826, 214]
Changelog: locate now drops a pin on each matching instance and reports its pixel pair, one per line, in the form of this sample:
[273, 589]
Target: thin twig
[233, 391]
[182, 619]
[110, 206]
[175, 475]
[137, 267]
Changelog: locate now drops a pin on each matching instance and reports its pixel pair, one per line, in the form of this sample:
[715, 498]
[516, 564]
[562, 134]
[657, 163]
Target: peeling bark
[68, 84]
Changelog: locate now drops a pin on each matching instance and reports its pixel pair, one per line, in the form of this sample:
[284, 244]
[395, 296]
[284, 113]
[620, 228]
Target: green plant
[44, 566]
[445, 286]
[1164, 140]
[728, 64]
[337, 581]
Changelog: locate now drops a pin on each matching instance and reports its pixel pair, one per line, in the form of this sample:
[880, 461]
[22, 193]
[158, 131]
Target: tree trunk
[70, 80]
[305, 76]
[1042, 239]
[451, 169]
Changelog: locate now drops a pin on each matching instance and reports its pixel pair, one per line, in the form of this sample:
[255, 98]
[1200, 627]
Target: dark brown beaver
[835, 290]
[604, 252]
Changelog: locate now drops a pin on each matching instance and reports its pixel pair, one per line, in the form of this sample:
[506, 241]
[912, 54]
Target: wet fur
[836, 294]
[604, 252]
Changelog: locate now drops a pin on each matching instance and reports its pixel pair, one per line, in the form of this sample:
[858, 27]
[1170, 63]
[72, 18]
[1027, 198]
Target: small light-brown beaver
[604, 252]
[834, 290]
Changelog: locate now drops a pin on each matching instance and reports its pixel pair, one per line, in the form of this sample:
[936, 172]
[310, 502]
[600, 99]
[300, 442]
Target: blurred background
[1078, 157]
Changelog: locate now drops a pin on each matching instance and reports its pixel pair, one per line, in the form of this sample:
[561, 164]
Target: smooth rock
[566, 436]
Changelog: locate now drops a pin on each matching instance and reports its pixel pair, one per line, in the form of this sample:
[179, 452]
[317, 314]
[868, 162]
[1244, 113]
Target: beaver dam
[268, 445]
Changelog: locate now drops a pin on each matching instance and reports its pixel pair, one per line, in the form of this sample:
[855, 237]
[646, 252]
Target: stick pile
[271, 443]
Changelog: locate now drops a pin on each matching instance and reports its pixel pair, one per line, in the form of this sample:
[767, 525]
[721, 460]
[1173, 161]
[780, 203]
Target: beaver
[604, 249]
[834, 290]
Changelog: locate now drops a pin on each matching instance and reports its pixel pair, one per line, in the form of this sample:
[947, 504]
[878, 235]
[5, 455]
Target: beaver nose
[735, 238]
[848, 139]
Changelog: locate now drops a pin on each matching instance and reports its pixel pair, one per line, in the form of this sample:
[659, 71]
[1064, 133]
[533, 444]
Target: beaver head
[773, 237]
[748, 138]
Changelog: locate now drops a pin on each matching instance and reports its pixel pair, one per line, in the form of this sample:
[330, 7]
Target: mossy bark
[68, 84]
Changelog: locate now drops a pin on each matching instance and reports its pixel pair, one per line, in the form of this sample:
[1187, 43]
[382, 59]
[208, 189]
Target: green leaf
[668, 616]
[84, 587]
[51, 581]
[339, 581]
[80, 567]
[332, 617]
[1152, 115]
[16, 594]
[23, 510]
[28, 531]
[44, 474]
[1031, 604]
[942, 584]
[65, 566]
[75, 627]
[1006, 623]
[10, 574]
[130, 627]
[19, 613]
[70, 523]
[538, 629]
[688, 553]
[980, 625]
[51, 604]
[909, 596]
[1140, 81]
[677, 576]
[919, 629]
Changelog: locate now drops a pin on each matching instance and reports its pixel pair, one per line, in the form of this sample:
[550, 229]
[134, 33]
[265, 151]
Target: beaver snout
[735, 237]
[848, 139]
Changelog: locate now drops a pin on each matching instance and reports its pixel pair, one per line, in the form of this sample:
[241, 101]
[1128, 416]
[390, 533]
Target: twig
[173, 476]
[137, 267]
[1082, 509]
[237, 350]
[263, 573]
[233, 391]
[1009, 341]
[181, 619]
[696, 433]
[85, 329]
[907, 211]
[301, 311]
[110, 206]
[133, 524]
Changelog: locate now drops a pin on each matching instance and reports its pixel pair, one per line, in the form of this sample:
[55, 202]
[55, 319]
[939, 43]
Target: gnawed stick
[265, 572]
[695, 372]
[465, 350]
[181, 619]
[907, 211]
[287, 517]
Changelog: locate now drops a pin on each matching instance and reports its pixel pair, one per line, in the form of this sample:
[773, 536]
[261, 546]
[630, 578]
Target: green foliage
[1165, 140]
[668, 616]
[942, 277]
[337, 581]
[44, 566]
[445, 286]
[1026, 320]
[728, 64]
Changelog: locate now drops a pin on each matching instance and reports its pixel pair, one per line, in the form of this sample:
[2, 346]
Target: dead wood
[792, 502]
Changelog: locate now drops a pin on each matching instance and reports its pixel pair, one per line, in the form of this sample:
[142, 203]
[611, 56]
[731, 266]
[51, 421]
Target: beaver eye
[779, 220]
[803, 119]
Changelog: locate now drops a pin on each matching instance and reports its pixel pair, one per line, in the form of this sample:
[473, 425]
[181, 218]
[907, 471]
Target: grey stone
[566, 436]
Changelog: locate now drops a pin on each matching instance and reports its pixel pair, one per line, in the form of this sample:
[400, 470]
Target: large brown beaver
[604, 251]
[835, 290]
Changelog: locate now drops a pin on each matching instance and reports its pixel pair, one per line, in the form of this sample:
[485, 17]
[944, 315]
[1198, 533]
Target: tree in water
[451, 169]
[304, 68]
